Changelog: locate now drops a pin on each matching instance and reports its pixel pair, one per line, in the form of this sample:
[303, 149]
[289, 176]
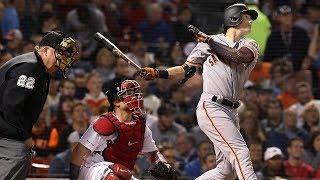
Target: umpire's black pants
[15, 160]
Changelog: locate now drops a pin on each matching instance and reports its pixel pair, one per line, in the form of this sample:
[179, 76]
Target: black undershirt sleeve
[228, 54]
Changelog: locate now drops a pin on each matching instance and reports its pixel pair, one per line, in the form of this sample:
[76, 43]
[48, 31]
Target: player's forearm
[176, 72]
[79, 154]
[228, 54]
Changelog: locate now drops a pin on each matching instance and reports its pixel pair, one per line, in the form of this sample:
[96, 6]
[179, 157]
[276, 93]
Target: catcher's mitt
[163, 171]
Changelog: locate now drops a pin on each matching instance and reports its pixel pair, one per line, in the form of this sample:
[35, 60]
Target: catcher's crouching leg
[119, 172]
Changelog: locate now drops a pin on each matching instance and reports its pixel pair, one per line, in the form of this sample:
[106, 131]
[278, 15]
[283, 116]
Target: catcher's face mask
[65, 52]
[130, 93]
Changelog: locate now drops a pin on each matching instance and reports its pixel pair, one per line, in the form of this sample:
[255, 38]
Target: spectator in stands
[45, 138]
[28, 13]
[28, 47]
[304, 96]
[5, 56]
[138, 52]
[124, 70]
[260, 28]
[264, 95]
[79, 123]
[48, 22]
[312, 155]
[165, 129]
[176, 55]
[162, 88]
[14, 42]
[63, 113]
[196, 167]
[180, 26]
[287, 96]
[287, 41]
[113, 14]
[10, 18]
[209, 161]
[105, 63]
[198, 134]
[59, 166]
[311, 118]
[274, 116]
[256, 155]
[186, 149]
[260, 75]
[156, 32]
[276, 74]
[168, 153]
[289, 127]
[83, 22]
[295, 166]
[135, 12]
[95, 98]
[273, 121]
[53, 95]
[310, 18]
[273, 158]
[80, 78]
[67, 87]
[250, 127]
[311, 61]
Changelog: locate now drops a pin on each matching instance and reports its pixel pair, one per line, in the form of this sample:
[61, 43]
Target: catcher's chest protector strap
[25, 58]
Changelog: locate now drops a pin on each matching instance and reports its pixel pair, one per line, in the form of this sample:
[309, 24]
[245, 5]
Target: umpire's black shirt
[24, 85]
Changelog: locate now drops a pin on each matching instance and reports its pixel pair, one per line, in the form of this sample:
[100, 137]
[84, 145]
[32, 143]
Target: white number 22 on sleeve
[26, 82]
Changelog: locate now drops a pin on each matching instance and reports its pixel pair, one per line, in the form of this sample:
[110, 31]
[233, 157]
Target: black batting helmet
[233, 14]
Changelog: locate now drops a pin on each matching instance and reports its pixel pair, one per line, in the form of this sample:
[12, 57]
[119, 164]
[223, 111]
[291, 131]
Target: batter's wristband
[164, 74]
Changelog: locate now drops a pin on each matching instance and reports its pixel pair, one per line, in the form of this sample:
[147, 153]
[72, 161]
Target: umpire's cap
[233, 14]
[52, 39]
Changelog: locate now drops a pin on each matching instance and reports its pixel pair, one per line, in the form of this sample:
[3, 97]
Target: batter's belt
[226, 102]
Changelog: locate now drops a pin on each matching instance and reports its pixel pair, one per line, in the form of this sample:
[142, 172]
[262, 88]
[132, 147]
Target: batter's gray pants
[221, 125]
[15, 160]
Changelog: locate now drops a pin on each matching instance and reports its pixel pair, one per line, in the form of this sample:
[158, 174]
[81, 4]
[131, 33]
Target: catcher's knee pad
[119, 171]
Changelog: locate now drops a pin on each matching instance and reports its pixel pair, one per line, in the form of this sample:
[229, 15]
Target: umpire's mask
[65, 48]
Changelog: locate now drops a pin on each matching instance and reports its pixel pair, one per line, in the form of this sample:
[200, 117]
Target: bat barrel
[101, 39]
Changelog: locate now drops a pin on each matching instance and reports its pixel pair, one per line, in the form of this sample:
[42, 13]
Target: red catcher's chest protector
[129, 142]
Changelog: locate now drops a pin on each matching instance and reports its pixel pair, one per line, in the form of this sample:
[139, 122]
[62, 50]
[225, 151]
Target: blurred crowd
[279, 112]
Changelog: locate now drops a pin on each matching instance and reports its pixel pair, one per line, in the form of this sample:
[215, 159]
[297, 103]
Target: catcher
[110, 146]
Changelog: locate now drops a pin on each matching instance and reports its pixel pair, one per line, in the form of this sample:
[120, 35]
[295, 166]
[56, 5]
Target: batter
[227, 60]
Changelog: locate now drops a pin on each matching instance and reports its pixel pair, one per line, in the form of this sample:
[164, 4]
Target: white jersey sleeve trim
[149, 145]
[95, 141]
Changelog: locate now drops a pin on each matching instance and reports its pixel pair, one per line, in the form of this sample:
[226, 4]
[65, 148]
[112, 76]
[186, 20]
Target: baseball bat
[114, 49]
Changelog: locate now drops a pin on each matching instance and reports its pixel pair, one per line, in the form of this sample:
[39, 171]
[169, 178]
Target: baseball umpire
[24, 82]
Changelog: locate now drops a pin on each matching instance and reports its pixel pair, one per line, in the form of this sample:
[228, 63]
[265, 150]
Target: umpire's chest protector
[25, 58]
[128, 144]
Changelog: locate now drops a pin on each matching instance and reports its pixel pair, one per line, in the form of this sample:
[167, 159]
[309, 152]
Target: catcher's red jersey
[129, 142]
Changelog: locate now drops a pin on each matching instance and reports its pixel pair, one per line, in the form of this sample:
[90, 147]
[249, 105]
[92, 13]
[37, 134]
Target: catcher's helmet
[127, 91]
[233, 14]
